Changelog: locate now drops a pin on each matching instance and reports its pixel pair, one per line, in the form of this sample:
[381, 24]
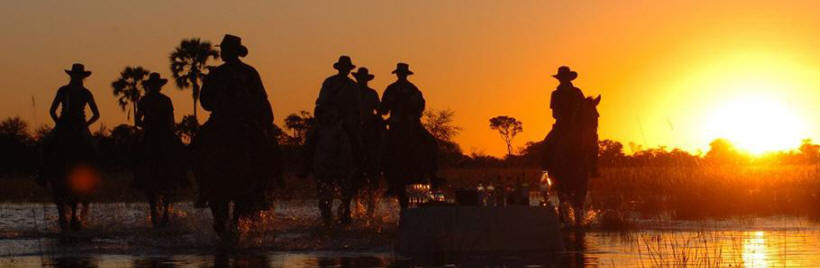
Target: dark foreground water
[119, 235]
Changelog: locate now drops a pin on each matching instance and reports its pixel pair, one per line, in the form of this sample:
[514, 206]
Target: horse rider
[234, 94]
[372, 128]
[341, 93]
[71, 148]
[565, 102]
[161, 152]
[73, 98]
[404, 103]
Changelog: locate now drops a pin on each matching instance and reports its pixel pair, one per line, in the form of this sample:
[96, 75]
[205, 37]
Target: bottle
[490, 200]
[482, 198]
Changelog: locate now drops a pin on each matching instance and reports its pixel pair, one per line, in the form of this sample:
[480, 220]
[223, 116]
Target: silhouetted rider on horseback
[71, 154]
[409, 150]
[571, 147]
[565, 103]
[342, 94]
[240, 113]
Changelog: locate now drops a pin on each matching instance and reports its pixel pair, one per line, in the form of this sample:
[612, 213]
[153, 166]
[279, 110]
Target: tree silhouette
[15, 142]
[610, 152]
[188, 63]
[507, 127]
[440, 124]
[299, 124]
[15, 128]
[127, 88]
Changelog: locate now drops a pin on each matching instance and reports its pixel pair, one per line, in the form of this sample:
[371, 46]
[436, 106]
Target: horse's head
[588, 119]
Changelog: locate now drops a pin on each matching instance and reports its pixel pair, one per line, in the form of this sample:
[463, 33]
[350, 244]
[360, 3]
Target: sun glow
[757, 124]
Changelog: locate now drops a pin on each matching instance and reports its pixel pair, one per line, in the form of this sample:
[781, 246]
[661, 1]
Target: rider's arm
[95, 113]
[206, 93]
[54, 104]
[263, 102]
[387, 102]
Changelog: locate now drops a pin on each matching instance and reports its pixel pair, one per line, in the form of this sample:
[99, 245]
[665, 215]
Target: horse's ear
[597, 100]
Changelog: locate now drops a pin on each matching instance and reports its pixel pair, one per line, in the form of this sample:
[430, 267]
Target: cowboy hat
[565, 74]
[363, 74]
[233, 43]
[402, 68]
[154, 81]
[344, 62]
[78, 70]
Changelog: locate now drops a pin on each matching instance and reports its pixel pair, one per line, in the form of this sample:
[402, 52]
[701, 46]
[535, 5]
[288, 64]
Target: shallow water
[119, 235]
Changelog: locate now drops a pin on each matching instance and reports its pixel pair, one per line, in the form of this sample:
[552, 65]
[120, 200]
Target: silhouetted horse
[160, 172]
[410, 157]
[368, 180]
[333, 167]
[71, 171]
[228, 160]
[573, 159]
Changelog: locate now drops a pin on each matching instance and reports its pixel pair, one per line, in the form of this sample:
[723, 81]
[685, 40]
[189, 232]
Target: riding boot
[344, 213]
[62, 218]
[76, 224]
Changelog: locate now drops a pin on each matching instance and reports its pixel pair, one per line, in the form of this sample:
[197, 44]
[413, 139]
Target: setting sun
[756, 124]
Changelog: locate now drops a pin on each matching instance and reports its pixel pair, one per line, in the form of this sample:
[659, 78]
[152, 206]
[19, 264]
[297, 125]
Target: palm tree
[127, 88]
[188, 61]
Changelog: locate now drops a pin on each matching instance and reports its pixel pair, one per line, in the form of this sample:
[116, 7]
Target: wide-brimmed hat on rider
[363, 74]
[344, 63]
[78, 70]
[233, 44]
[565, 74]
[154, 81]
[402, 68]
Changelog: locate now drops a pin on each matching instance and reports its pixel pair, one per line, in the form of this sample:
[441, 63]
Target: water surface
[119, 235]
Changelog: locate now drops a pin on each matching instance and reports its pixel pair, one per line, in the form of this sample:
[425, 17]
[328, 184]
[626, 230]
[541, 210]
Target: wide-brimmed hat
[344, 63]
[78, 69]
[233, 43]
[402, 68]
[154, 80]
[363, 74]
[565, 74]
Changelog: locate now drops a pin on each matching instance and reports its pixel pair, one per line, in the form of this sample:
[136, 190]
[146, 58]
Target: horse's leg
[578, 201]
[62, 216]
[344, 205]
[75, 221]
[84, 212]
[219, 210]
[404, 200]
[166, 207]
[325, 194]
[154, 210]
[370, 201]
[240, 209]
[563, 210]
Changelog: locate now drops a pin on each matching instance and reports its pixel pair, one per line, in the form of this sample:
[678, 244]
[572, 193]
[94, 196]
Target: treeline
[22, 145]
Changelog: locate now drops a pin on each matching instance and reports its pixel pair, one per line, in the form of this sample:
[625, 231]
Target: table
[478, 229]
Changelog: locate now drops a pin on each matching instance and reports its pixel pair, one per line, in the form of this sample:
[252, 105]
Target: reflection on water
[754, 250]
[120, 238]
[702, 248]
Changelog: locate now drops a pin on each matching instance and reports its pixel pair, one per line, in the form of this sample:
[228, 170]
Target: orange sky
[667, 70]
